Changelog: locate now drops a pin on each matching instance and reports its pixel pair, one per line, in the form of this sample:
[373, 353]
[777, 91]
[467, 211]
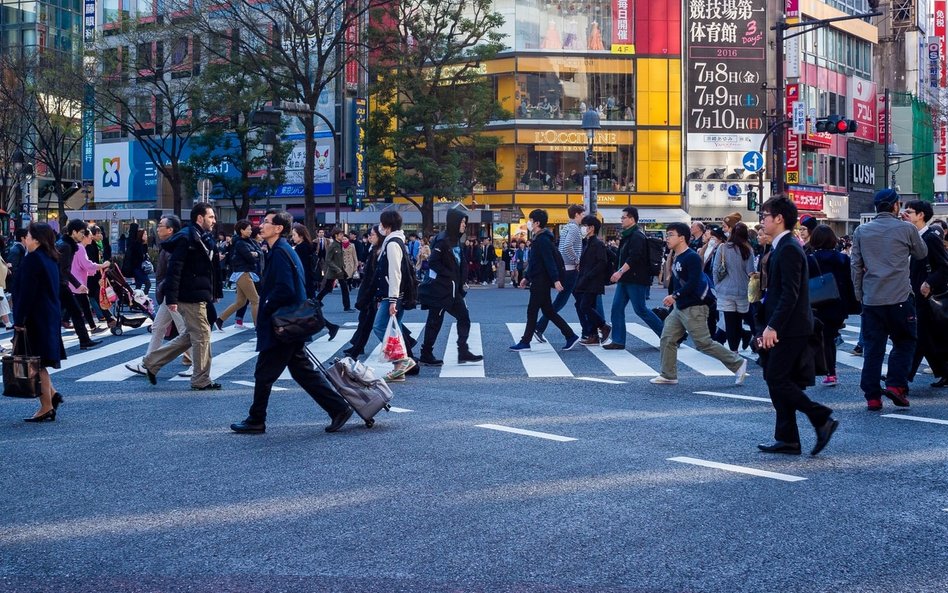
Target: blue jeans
[569, 282]
[625, 292]
[382, 317]
[879, 323]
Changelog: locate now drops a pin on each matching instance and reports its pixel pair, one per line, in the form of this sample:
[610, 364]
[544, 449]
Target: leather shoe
[613, 346]
[340, 420]
[824, 434]
[943, 382]
[208, 387]
[90, 344]
[248, 427]
[333, 330]
[152, 377]
[781, 447]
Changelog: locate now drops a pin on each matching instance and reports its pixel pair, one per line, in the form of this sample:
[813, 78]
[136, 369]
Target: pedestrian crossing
[234, 355]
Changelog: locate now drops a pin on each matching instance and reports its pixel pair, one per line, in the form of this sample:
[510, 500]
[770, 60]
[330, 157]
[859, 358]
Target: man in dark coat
[283, 286]
[591, 283]
[443, 290]
[929, 277]
[787, 358]
[67, 248]
[192, 284]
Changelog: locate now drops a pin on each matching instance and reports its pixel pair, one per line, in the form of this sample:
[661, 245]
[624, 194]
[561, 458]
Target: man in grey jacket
[571, 248]
[882, 250]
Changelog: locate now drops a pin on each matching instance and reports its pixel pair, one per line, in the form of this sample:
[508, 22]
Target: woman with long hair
[135, 254]
[825, 259]
[245, 258]
[733, 263]
[36, 313]
[303, 244]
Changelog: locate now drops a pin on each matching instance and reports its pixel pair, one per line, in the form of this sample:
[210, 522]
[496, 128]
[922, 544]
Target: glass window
[539, 169]
[110, 11]
[842, 172]
[832, 170]
[541, 24]
[179, 52]
[566, 94]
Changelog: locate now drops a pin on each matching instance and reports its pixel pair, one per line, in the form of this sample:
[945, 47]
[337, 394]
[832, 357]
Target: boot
[428, 359]
[465, 355]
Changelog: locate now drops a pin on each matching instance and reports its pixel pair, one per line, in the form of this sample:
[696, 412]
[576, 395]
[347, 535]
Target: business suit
[934, 271]
[788, 366]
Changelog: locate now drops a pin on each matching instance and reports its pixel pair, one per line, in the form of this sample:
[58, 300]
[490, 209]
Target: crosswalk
[235, 355]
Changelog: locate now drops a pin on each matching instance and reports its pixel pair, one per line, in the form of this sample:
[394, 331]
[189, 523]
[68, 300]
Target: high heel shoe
[49, 416]
[57, 399]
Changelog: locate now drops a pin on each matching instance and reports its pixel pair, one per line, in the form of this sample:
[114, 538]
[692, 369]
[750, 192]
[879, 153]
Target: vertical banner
[623, 41]
[793, 139]
[88, 134]
[883, 112]
[352, 57]
[791, 8]
[863, 93]
[727, 63]
[941, 159]
[88, 23]
[941, 6]
[360, 115]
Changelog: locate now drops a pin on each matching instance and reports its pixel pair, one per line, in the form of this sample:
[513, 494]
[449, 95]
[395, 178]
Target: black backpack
[409, 287]
[560, 264]
[613, 258]
[656, 249]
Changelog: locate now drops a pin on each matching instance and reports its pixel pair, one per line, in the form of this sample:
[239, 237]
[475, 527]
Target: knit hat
[731, 219]
[809, 222]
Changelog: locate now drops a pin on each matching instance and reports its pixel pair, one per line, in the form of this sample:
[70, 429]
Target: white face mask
[583, 230]
[382, 232]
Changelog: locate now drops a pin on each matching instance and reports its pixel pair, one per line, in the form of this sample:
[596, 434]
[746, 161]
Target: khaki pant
[693, 320]
[246, 291]
[197, 338]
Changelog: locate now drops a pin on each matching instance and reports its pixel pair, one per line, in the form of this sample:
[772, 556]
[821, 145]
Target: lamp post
[591, 181]
[269, 144]
[24, 172]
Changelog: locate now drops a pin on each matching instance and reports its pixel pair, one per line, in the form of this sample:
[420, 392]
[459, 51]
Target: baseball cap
[888, 196]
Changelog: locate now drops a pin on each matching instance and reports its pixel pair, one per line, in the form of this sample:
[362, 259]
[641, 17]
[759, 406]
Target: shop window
[832, 171]
[566, 95]
[842, 178]
[558, 25]
[555, 170]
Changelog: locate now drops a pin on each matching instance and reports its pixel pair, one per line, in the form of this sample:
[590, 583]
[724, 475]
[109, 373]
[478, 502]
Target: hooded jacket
[194, 272]
[444, 284]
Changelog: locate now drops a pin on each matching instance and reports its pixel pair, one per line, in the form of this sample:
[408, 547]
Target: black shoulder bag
[295, 323]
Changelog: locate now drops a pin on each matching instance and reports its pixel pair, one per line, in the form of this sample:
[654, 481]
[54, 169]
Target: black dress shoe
[49, 416]
[90, 344]
[339, 421]
[57, 399]
[781, 447]
[208, 387]
[152, 377]
[248, 427]
[219, 323]
[333, 330]
[430, 360]
[468, 356]
[824, 434]
[943, 382]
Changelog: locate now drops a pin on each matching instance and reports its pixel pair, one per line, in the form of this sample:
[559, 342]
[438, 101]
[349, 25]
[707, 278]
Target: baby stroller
[122, 300]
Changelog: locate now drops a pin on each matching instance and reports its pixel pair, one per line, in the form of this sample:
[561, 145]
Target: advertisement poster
[360, 114]
[623, 41]
[863, 109]
[806, 197]
[726, 65]
[793, 139]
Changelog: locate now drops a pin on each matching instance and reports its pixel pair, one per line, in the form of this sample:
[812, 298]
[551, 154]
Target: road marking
[323, 350]
[399, 410]
[101, 352]
[704, 364]
[529, 433]
[252, 384]
[542, 360]
[622, 363]
[734, 396]
[225, 362]
[916, 418]
[351, 324]
[598, 380]
[373, 357]
[452, 368]
[740, 469]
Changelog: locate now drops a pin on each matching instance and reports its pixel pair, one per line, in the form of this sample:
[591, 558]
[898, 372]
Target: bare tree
[10, 134]
[45, 94]
[298, 46]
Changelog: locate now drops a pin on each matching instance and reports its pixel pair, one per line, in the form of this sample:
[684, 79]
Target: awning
[554, 215]
[648, 215]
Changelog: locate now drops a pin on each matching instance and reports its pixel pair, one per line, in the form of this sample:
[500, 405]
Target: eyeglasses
[910, 211]
[265, 221]
[86, 233]
[764, 215]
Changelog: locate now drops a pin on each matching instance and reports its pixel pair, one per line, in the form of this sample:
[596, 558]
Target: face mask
[381, 232]
[583, 230]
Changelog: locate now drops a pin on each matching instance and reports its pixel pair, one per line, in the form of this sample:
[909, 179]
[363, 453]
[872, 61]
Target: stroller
[122, 299]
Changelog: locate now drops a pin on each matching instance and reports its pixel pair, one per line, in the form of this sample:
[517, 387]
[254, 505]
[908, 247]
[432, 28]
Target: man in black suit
[786, 356]
[929, 277]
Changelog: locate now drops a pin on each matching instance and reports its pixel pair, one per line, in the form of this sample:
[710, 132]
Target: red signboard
[863, 94]
[883, 112]
[793, 140]
[622, 26]
[941, 158]
[941, 31]
[352, 57]
[791, 8]
[808, 198]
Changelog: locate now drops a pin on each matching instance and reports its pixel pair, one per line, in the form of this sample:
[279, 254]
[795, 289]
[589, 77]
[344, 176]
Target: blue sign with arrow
[753, 161]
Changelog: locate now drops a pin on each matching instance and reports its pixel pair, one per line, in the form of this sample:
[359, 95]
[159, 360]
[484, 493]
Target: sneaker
[519, 346]
[741, 373]
[874, 405]
[830, 380]
[539, 337]
[186, 374]
[857, 350]
[402, 367]
[590, 342]
[391, 378]
[898, 395]
[660, 380]
[239, 322]
[570, 342]
[136, 368]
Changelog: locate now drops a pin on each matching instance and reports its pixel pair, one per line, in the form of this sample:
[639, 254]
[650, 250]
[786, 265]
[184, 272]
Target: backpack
[656, 250]
[560, 264]
[613, 259]
[409, 287]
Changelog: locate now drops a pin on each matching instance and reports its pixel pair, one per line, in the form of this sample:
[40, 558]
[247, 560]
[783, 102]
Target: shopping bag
[393, 345]
[21, 372]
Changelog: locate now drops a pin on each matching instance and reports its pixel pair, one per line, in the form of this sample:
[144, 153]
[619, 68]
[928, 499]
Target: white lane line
[529, 433]
[916, 418]
[225, 362]
[542, 360]
[399, 410]
[373, 358]
[120, 373]
[740, 469]
[351, 324]
[452, 368]
[622, 363]
[750, 398]
[252, 384]
[322, 349]
[101, 352]
[704, 364]
[598, 380]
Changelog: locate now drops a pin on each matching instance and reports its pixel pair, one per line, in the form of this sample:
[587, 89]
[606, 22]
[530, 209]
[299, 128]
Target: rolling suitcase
[358, 385]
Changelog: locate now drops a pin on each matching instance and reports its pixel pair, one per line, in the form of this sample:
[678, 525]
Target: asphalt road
[144, 488]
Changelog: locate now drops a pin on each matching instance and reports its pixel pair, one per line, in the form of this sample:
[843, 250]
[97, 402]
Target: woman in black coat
[593, 271]
[135, 254]
[306, 251]
[826, 260]
[36, 313]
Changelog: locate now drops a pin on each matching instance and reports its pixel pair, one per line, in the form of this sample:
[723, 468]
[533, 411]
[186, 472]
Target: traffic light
[835, 124]
[752, 201]
[350, 197]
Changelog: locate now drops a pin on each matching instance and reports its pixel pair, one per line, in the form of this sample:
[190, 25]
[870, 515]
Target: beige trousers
[197, 338]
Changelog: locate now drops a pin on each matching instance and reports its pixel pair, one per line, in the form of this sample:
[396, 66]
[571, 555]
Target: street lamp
[590, 181]
[269, 145]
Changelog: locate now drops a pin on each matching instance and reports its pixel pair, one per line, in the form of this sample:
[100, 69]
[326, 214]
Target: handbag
[21, 372]
[939, 306]
[753, 287]
[147, 266]
[823, 287]
[296, 323]
[721, 272]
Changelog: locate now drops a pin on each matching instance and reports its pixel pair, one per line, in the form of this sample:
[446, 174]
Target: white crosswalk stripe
[704, 364]
[541, 360]
[452, 368]
[622, 363]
